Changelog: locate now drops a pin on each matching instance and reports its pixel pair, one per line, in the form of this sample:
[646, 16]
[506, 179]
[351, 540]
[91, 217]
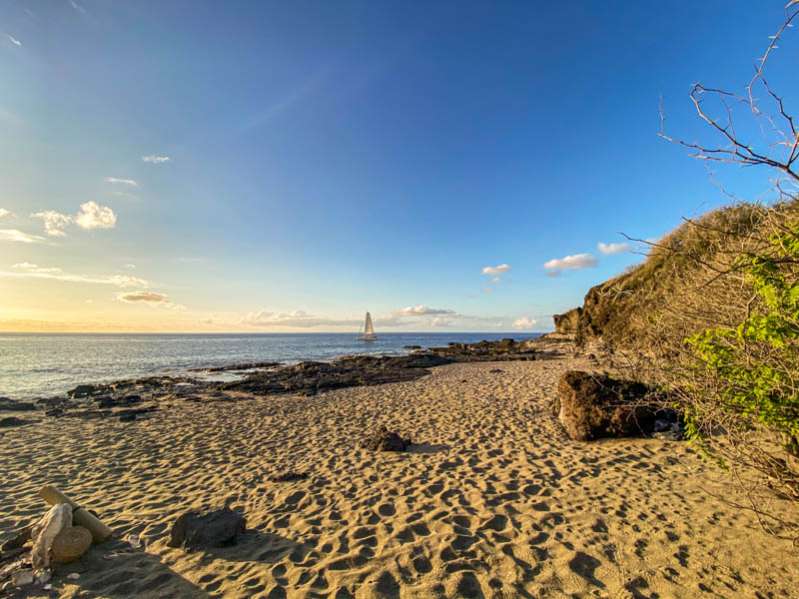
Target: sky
[188, 166]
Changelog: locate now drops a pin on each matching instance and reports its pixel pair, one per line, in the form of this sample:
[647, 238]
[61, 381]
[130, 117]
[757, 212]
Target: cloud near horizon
[6, 213]
[613, 248]
[422, 310]
[524, 323]
[150, 298]
[575, 262]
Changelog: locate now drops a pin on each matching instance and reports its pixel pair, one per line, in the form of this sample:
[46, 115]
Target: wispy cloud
[6, 213]
[613, 248]
[54, 222]
[294, 319]
[117, 181]
[150, 298]
[575, 262]
[497, 270]
[18, 236]
[77, 7]
[26, 270]
[422, 310]
[94, 216]
[29, 267]
[156, 159]
[13, 40]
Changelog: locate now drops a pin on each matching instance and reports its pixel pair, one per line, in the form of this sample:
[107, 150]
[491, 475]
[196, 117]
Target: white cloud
[6, 213]
[613, 248]
[13, 40]
[525, 322]
[27, 266]
[130, 266]
[94, 216]
[77, 7]
[296, 318]
[421, 310]
[150, 298]
[497, 270]
[54, 222]
[575, 262]
[116, 181]
[156, 159]
[26, 270]
[19, 237]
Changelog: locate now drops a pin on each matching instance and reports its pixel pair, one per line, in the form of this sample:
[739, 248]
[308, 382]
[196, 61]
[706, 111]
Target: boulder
[385, 440]
[10, 421]
[289, 477]
[207, 529]
[592, 406]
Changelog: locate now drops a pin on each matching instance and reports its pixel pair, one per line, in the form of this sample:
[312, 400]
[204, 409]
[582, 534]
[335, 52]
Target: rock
[496, 371]
[385, 440]
[16, 406]
[86, 390]
[22, 578]
[568, 322]
[592, 405]
[207, 529]
[70, 544]
[288, 477]
[10, 421]
[412, 347]
[18, 541]
[54, 412]
[132, 414]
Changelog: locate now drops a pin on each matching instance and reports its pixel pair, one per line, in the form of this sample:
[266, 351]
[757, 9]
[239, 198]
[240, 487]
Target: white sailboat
[368, 329]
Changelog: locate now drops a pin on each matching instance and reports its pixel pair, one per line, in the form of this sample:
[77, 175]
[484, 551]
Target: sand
[495, 502]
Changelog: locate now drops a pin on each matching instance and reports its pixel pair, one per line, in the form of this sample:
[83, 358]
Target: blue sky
[325, 158]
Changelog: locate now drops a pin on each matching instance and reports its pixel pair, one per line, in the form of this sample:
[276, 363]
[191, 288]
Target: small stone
[385, 440]
[10, 421]
[22, 578]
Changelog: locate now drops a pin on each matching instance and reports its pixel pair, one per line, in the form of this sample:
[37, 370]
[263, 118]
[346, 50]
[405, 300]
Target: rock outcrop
[568, 323]
[592, 405]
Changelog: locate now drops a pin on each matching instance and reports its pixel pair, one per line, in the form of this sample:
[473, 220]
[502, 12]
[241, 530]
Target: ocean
[35, 365]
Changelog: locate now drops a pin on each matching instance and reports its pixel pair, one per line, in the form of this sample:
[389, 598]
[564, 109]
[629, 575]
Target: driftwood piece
[80, 515]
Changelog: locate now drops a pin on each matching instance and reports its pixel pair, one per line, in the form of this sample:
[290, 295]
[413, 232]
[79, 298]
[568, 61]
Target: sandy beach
[493, 501]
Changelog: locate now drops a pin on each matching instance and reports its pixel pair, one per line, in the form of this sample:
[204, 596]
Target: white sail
[368, 329]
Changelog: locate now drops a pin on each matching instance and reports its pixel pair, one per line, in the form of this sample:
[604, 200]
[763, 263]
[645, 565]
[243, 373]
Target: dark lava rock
[592, 405]
[385, 440]
[16, 406]
[134, 413]
[289, 477]
[82, 391]
[207, 529]
[10, 421]
[496, 371]
[412, 347]
[106, 402]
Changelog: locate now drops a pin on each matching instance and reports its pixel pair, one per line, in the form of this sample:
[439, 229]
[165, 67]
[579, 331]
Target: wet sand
[495, 501]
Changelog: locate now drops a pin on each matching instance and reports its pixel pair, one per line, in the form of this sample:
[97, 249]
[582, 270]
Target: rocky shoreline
[130, 399]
